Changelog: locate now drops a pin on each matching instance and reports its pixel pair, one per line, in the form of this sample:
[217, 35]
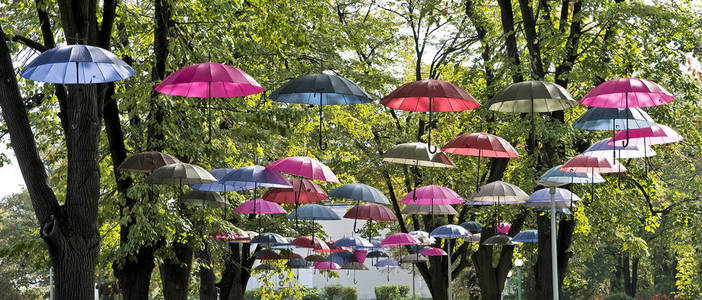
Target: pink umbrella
[304, 166]
[627, 92]
[259, 207]
[655, 135]
[433, 252]
[209, 80]
[330, 248]
[360, 255]
[502, 228]
[399, 239]
[432, 195]
[303, 191]
[326, 265]
[584, 164]
[309, 242]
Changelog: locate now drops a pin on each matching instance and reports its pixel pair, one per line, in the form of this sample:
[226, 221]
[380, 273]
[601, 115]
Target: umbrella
[259, 176]
[450, 231]
[423, 237]
[179, 174]
[556, 177]
[354, 265]
[603, 149]
[314, 212]
[321, 89]
[542, 198]
[432, 195]
[265, 268]
[480, 144]
[326, 265]
[303, 191]
[359, 192]
[297, 263]
[147, 162]
[414, 209]
[417, 154]
[387, 263]
[304, 166]
[77, 64]
[532, 96]
[502, 228]
[526, 236]
[430, 96]
[499, 192]
[597, 118]
[219, 187]
[584, 163]
[413, 258]
[360, 255]
[655, 135]
[341, 257]
[315, 258]
[352, 241]
[399, 239]
[259, 207]
[266, 254]
[627, 92]
[285, 245]
[204, 199]
[472, 226]
[209, 80]
[268, 238]
[499, 240]
[310, 242]
[433, 252]
[331, 249]
[377, 254]
[370, 212]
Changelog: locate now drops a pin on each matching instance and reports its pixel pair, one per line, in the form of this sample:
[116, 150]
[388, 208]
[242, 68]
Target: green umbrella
[180, 174]
[203, 199]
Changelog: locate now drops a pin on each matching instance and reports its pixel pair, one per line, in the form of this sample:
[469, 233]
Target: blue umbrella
[377, 254]
[598, 118]
[526, 236]
[341, 258]
[298, 263]
[359, 192]
[77, 64]
[450, 231]
[314, 212]
[542, 198]
[321, 89]
[472, 226]
[353, 241]
[387, 263]
[218, 186]
[285, 245]
[268, 238]
[255, 175]
[554, 176]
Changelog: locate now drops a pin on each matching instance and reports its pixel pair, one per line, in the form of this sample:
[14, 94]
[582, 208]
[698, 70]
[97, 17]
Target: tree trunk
[175, 272]
[208, 290]
[438, 275]
[237, 271]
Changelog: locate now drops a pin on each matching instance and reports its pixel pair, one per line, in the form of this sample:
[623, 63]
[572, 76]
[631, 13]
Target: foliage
[338, 292]
[388, 292]
[618, 296]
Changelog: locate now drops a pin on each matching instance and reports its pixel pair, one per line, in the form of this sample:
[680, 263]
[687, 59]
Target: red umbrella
[371, 212]
[480, 144]
[331, 249]
[309, 242]
[303, 191]
[430, 96]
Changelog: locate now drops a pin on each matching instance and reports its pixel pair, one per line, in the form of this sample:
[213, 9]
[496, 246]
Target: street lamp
[519, 263]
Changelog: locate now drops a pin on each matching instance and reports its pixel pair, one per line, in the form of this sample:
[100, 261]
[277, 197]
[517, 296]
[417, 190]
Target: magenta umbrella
[399, 239]
[432, 195]
[259, 207]
[655, 135]
[433, 252]
[326, 265]
[209, 80]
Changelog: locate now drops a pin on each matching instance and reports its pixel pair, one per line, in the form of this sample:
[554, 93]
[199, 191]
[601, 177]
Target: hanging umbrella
[501, 192]
[259, 176]
[304, 166]
[498, 240]
[472, 226]
[412, 259]
[387, 264]
[433, 252]
[417, 154]
[209, 80]
[450, 231]
[259, 207]
[302, 191]
[310, 242]
[430, 96]
[219, 187]
[627, 92]
[352, 241]
[77, 64]
[532, 96]
[180, 174]
[415, 209]
[354, 265]
[326, 265]
[359, 192]
[314, 212]
[583, 163]
[542, 199]
[265, 268]
[321, 89]
[432, 195]
[480, 144]
[332, 249]
[341, 257]
[556, 177]
[399, 239]
[371, 212]
[655, 135]
[268, 238]
[266, 254]
[147, 162]
[359, 254]
[526, 236]
[423, 237]
[297, 263]
[602, 149]
[377, 254]
[315, 258]
[203, 199]
[502, 228]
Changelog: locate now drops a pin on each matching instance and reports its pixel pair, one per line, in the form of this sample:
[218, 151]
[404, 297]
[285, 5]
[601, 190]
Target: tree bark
[208, 290]
[175, 272]
[237, 271]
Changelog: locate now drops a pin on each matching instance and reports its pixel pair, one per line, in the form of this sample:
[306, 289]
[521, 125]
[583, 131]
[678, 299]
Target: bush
[313, 294]
[338, 292]
[617, 296]
[391, 292]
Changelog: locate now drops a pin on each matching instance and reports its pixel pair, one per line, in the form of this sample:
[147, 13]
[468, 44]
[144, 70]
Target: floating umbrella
[423, 237]
[360, 255]
[209, 80]
[399, 239]
[314, 212]
[266, 254]
[341, 257]
[352, 241]
[326, 265]
[77, 64]
[597, 118]
[203, 199]
[414, 209]
[499, 193]
[602, 149]
[371, 212]
[526, 236]
[583, 163]
[315, 258]
[480, 144]
[450, 231]
[265, 268]
[556, 177]
[268, 238]
[417, 154]
[147, 162]
[259, 176]
[627, 92]
[310, 242]
[499, 240]
[430, 96]
[359, 192]
[321, 89]
[433, 252]
[387, 263]
[532, 96]
[655, 135]
[285, 245]
[377, 254]
[180, 174]
[304, 166]
[432, 195]
[472, 226]
[303, 191]
[331, 249]
[259, 207]
[412, 259]
[542, 199]
[219, 187]
[297, 263]
[354, 265]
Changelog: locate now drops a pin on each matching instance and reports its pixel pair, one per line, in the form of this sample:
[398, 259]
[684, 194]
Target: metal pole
[554, 255]
[51, 283]
[519, 286]
[450, 296]
[413, 292]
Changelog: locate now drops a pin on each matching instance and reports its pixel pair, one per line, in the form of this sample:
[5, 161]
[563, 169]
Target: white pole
[51, 283]
[554, 255]
[449, 270]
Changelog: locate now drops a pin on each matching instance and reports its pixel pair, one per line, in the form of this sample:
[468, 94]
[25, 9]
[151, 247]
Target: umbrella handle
[322, 143]
[209, 120]
[626, 143]
[431, 124]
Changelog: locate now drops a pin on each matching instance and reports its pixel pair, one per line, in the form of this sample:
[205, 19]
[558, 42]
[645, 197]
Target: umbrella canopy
[352, 241]
[498, 240]
[556, 177]
[259, 176]
[259, 207]
[309, 242]
[502, 228]
[603, 149]
[377, 254]
[334, 90]
[412, 258]
[430, 96]
[330, 248]
[266, 254]
[399, 239]
[627, 92]
[265, 268]
[417, 154]
[526, 236]
[297, 263]
[423, 237]
[304, 166]
[219, 187]
[450, 231]
[77, 64]
[359, 192]
[542, 199]
[597, 118]
[209, 80]
[315, 258]
[655, 135]
[360, 255]
[285, 245]
[370, 211]
[472, 226]
[532, 96]
[268, 238]
[389, 263]
[204, 199]
[314, 212]
[326, 265]
[303, 191]
[584, 163]
[480, 144]
[180, 174]
[147, 162]
[354, 265]
[416, 209]
[341, 257]
[433, 252]
[432, 195]
[501, 192]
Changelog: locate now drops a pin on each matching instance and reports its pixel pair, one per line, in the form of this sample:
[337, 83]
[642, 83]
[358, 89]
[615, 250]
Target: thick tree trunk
[438, 275]
[208, 290]
[175, 272]
[236, 274]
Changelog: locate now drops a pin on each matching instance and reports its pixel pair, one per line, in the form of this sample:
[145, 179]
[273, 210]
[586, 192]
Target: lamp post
[519, 263]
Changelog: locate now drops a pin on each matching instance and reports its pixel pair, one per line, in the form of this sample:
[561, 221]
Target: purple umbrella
[432, 195]
[387, 263]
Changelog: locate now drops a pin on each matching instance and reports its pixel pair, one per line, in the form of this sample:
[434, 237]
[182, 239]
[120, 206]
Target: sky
[11, 180]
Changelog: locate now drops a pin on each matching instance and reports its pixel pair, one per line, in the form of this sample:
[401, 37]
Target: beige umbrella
[499, 240]
[416, 209]
[417, 154]
[180, 174]
[413, 258]
[500, 192]
[147, 162]
[203, 199]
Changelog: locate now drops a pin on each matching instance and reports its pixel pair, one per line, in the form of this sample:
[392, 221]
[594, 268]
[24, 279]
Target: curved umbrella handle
[431, 125]
[209, 118]
[354, 227]
[322, 143]
[354, 277]
[626, 144]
